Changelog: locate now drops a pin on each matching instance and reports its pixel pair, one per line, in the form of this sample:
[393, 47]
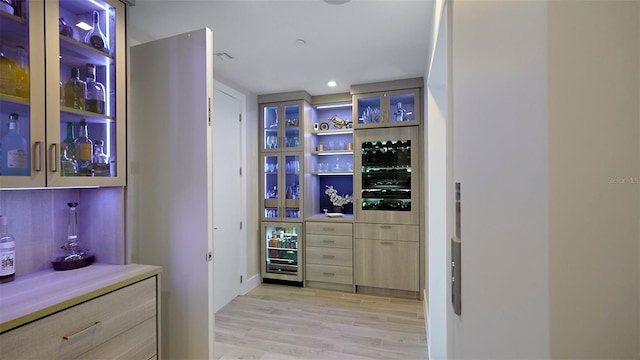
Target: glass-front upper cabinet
[62, 121]
[387, 108]
[388, 180]
[282, 126]
[86, 93]
[281, 186]
[21, 93]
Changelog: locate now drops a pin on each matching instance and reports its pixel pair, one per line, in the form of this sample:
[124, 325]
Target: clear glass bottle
[400, 113]
[69, 141]
[6, 6]
[14, 152]
[84, 150]
[101, 165]
[68, 166]
[96, 99]
[75, 91]
[95, 37]
[74, 253]
[7, 253]
[7, 74]
[22, 73]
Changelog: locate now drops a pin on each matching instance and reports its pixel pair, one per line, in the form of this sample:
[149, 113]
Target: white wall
[438, 173]
[594, 179]
[500, 135]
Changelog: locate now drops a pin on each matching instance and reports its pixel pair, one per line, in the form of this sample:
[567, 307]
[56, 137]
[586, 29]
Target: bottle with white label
[7, 253]
[14, 152]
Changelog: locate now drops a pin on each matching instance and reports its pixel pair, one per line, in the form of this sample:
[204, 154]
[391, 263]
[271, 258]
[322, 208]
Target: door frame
[242, 98]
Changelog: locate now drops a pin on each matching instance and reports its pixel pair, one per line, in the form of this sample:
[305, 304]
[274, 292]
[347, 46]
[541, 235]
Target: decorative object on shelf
[371, 116]
[7, 253]
[340, 123]
[338, 201]
[65, 29]
[324, 126]
[74, 255]
[95, 37]
[294, 122]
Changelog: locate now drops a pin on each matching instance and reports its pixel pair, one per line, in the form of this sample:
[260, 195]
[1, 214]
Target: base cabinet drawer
[140, 342]
[92, 328]
[329, 256]
[345, 242]
[330, 273]
[329, 228]
[387, 232]
[387, 264]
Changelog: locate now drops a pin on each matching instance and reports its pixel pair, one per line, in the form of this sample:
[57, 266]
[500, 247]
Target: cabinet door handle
[328, 241]
[328, 256]
[385, 226]
[328, 274]
[53, 157]
[78, 333]
[37, 156]
[328, 229]
[386, 242]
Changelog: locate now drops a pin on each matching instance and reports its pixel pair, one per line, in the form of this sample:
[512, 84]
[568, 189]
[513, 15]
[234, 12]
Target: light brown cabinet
[329, 255]
[43, 117]
[387, 257]
[112, 321]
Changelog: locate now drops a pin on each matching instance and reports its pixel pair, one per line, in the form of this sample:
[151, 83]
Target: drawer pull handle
[69, 337]
[385, 226]
[328, 274]
[328, 241]
[328, 256]
[328, 229]
[386, 242]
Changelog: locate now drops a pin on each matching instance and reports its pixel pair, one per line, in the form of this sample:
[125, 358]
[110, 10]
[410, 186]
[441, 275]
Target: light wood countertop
[37, 295]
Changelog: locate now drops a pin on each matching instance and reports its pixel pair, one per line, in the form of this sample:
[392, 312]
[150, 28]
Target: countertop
[37, 295]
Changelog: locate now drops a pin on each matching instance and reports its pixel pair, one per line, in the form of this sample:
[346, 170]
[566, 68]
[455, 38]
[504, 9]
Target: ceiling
[358, 42]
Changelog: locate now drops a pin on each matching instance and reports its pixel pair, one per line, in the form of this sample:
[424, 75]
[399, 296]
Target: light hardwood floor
[284, 322]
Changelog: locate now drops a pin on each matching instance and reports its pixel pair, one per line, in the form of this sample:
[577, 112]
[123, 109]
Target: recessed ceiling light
[336, 2]
[84, 26]
[331, 83]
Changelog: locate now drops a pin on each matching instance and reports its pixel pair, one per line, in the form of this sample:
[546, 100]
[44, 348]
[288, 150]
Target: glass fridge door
[282, 246]
[388, 176]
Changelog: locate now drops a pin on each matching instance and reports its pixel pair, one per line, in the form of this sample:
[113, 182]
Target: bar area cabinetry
[282, 160]
[50, 100]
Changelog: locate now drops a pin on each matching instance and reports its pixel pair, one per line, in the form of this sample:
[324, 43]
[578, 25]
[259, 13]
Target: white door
[228, 197]
[169, 184]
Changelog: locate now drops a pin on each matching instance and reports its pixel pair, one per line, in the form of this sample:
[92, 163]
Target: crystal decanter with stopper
[74, 255]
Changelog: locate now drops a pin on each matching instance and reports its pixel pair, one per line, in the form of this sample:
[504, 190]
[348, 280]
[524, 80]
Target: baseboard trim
[251, 283]
[388, 292]
[425, 305]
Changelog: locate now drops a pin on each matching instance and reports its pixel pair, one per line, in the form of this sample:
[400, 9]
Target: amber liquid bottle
[75, 91]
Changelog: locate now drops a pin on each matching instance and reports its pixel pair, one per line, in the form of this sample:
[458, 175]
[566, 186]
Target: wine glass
[269, 142]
